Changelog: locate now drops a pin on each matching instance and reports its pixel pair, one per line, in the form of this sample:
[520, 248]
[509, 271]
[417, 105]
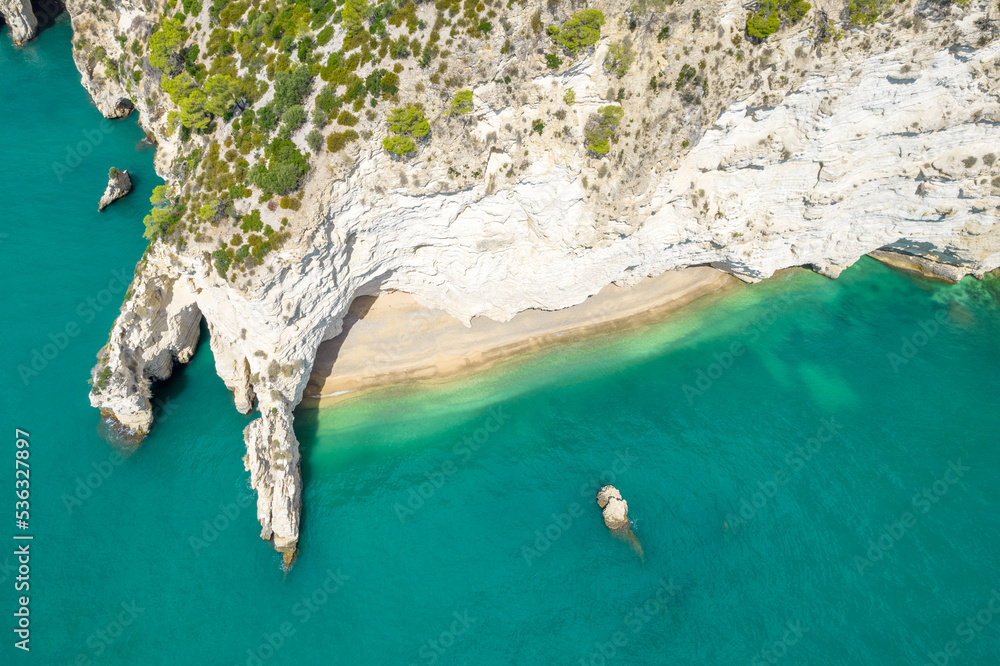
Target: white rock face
[613, 507]
[855, 159]
[119, 184]
[273, 462]
[21, 20]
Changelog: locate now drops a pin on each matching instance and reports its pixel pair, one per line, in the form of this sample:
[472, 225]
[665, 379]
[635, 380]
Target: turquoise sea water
[811, 467]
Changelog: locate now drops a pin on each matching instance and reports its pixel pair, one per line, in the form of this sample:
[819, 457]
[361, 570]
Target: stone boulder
[615, 509]
[119, 184]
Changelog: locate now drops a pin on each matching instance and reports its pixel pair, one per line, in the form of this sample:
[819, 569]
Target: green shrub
[336, 141]
[866, 12]
[192, 101]
[165, 46]
[291, 120]
[285, 169]
[209, 211]
[552, 61]
[290, 88]
[314, 140]
[771, 14]
[570, 97]
[267, 117]
[409, 120]
[347, 119]
[461, 103]
[251, 222]
[353, 15]
[221, 91]
[619, 58]
[688, 81]
[399, 145]
[327, 99]
[164, 214]
[601, 128]
[581, 30]
[325, 35]
[406, 124]
[223, 259]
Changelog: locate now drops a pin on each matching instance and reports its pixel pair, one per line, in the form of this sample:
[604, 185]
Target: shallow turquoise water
[455, 524]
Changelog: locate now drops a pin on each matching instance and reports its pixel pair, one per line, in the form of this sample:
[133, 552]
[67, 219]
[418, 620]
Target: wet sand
[391, 338]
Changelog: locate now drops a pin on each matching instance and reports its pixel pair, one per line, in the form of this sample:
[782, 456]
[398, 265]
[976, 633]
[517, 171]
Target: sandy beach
[391, 338]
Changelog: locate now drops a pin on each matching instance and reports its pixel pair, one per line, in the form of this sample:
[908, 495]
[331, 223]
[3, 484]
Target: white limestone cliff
[17, 14]
[856, 157]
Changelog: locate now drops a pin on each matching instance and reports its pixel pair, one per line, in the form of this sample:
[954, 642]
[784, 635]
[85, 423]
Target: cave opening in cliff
[46, 11]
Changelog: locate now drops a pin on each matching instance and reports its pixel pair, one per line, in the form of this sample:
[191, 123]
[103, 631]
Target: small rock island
[615, 511]
[119, 184]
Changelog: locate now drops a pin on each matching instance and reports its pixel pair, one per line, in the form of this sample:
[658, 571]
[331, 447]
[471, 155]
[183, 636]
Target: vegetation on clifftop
[261, 97]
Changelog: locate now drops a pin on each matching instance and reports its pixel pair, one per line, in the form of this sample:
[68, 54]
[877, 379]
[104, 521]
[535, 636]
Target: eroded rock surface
[119, 184]
[803, 154]
[20, 18]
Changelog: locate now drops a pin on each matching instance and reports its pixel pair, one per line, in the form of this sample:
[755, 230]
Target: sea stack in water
[119, 184]
[21, 19]
[615, 511]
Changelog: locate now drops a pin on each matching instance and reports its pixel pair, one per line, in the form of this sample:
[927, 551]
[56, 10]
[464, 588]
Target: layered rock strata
[881, 146]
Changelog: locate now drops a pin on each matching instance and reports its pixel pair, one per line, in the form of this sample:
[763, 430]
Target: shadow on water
[164, 394]
[47, 11]
[307, 413]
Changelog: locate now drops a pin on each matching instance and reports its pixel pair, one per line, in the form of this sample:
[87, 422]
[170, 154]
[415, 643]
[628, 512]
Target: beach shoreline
[391, 339]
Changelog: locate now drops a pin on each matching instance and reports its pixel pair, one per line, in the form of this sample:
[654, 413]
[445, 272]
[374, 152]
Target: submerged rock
[615, 511]
[119, 184]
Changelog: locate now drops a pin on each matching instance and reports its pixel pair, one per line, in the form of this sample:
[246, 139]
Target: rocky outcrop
[158, 325]
[119, 184]
[615, 512]
[885, 146]
[273, 462]
[19, 17]
[98, 52]
[922, 266]
[613, 507]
